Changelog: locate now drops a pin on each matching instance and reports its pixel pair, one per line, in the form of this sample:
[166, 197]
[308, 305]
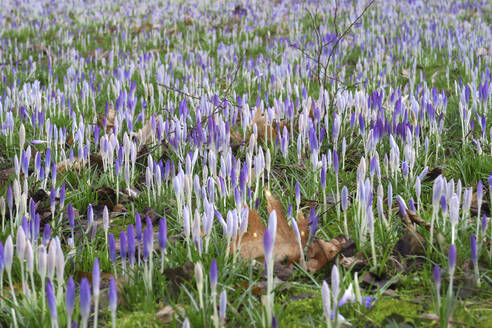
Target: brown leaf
[433, 174]
[64, 166]
[170, 313]
[110, 117]
[6, 174]
[286, 246]
[411, 243]
[264, 129]
[484, 208]
[321, 252]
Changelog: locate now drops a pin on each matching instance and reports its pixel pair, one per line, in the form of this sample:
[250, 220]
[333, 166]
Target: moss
[300, 313]
[387, 307]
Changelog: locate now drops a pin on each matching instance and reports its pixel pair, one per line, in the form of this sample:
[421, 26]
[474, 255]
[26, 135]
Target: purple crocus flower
[85, 301]
[313, 222]
[452, 259]
[2, 264]
[112, 248]
[96, 277]
[223, 305]
[163, 234]
[344, 198]
[147, 236]
[130, 236]
[46, 234]
[436, 275]
[112, 295]
[335, 161]
[138, 227]
[70, 298]
[123, 245]
[473, 248]
[268, 246]
[213, 275]
[62, 195]
[51, 299]
[70, 216]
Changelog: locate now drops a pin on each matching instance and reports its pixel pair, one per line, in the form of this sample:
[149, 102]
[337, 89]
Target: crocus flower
[112, 248]
[452, 259]
[326, 298]
[112, 300]
[85, 301]
[50, 297]
[213, 275]
[70, 298]
[223, 305]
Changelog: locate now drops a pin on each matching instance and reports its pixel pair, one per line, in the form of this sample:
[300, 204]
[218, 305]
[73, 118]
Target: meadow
[279, 163]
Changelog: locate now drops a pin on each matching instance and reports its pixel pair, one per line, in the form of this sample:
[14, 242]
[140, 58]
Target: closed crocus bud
[20, 244]
[326, 298]
[335, 161]
[199, 275]
[70, 297]
[473, 248]
[213, 275]
[123, 246]
[479, 192]
[344, 198]
[268, 246]
[223, 305]
[60, 264]
[51, 264]
[454, 209]
[46, 234]
[112, 248]
[29, 257]
[138, 227]
[147, 235]
[51, 300]
[53, 198]
[90, 216]
[2, 260]
[96, 278]
[130, 236]
[436, 276]
[401, 205]
[313, 222]
[298, 194]
[418, 187]
[62, 196]
[8, 253]
[272, 225]
[452, 259]
[436, 191]
[85, 300]
[484, 223]
[335, 285]
[71, 216]
[42, 261]
[105, 219]
[112, 295]
[162, 234]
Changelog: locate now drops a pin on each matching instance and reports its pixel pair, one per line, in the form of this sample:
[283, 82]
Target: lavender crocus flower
[112, 300]
[473, 248]
[85, 301]
[213, 275]
[70, 298]
[112, 248]
[51, 299]
[268, 246]
[223, 305]
[163, 234]
[130, 236]
[326, 298]
[452, 259]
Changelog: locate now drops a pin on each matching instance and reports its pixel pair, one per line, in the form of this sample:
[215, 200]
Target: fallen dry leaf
[264, 129]
[321, 252]
[108, 119]
[286, 246]
[170, 313]
[411, 243]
